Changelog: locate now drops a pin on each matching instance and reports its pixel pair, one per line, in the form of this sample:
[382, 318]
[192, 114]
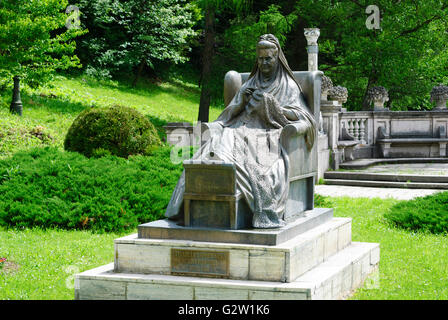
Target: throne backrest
[310, 82]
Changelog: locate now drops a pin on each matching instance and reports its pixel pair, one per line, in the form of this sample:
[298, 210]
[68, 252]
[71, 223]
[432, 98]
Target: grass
[41, 264]
[412, 265]
[55, 107]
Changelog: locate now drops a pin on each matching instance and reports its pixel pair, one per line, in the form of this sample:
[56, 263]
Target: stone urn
[327, 84]
[439, 95]
[339, 94]
[379, 96]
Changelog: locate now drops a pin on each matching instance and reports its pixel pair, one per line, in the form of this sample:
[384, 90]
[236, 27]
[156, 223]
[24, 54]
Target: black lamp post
[16, 104]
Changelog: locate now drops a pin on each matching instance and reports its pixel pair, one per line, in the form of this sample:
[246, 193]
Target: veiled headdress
[281, 57]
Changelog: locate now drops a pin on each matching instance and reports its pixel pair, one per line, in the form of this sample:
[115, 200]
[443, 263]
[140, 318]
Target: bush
[49, 188]
[122, 131]
[428, 213]
[321, 201]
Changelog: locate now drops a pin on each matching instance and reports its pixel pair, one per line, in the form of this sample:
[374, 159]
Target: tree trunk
[207, 57]
[139, 72]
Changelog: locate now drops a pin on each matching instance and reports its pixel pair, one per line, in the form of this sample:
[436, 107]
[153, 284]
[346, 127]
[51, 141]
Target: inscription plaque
[202, 263]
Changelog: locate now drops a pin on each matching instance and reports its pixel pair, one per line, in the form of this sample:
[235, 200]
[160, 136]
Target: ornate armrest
[292, 129]
[212, 126]
[207, 130]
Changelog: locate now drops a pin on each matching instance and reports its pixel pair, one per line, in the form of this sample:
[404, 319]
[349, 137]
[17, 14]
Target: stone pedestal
[179, 134]
[311, 258]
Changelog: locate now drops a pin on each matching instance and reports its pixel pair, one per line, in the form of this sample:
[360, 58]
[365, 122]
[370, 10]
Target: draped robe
[249, 137]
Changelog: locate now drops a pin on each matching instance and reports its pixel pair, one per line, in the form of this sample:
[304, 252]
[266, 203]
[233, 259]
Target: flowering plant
[2, 262]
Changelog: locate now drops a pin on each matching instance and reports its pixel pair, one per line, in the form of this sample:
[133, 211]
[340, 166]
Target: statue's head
[270, 57]
[267, 55]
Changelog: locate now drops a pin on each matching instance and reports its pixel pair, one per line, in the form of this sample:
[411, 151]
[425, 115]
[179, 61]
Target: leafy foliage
[34, 41]
[407, 56]
[50, 188]
[133, 32]
[240, 40]
[118, 130]
[236, 44]
[428, 213]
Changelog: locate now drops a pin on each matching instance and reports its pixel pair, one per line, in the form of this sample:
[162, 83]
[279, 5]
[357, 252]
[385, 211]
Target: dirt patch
[9, 267]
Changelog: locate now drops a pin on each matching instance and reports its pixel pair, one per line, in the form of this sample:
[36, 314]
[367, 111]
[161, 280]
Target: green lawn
[413, 265]
[54, 108]
[41, 264]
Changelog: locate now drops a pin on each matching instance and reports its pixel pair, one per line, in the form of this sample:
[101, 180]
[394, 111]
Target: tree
[34, 41]
[132, 34]
[207, 61]
[230, 38]
[407, 56]
[210, 8]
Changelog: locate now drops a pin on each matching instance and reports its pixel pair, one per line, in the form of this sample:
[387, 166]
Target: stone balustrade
[411, 134]
[357, 125]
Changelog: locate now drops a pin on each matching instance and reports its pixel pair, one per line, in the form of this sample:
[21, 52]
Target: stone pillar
[16, 104]
[311, 35]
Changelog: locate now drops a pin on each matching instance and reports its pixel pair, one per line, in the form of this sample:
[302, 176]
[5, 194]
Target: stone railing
[410, 134]
[357, 125]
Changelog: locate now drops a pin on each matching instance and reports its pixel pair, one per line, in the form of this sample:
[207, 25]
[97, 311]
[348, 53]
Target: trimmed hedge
[117, 130]
[49, 188]
[428, 213]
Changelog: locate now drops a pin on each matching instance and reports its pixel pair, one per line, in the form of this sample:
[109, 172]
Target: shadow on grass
[145, 87]
[52, 103]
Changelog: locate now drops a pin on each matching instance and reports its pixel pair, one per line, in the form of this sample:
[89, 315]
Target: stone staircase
[386, 180]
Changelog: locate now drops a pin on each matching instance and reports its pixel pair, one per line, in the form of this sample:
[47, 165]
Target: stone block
[142, 259]
[346, 284]
[93, 289]
[344, 236]
[158, 291]
[357, 274]
[209, 293]
[273, 295]
[375, 256]
[331, 243]
[267, 265]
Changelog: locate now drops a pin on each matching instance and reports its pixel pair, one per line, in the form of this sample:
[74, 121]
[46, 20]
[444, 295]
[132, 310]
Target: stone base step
[386, 184]
[171, 230]
[334, 279]
[365, 163]
[283, 262]
[392, 177]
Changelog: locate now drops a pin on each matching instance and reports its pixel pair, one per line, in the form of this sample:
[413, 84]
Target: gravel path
[367, 192]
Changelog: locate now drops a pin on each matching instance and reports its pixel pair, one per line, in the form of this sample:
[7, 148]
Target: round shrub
[118, 130]
[428, 213]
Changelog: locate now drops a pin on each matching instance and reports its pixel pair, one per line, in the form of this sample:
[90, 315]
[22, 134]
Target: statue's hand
[257, 95]
[290, 115]
[247, 94]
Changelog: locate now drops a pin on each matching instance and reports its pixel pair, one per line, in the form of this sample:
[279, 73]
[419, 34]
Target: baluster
[356, 129]
[350, 126]
[362, 131]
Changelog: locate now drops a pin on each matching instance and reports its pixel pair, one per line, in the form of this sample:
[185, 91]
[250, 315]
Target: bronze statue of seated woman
[247, 135]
